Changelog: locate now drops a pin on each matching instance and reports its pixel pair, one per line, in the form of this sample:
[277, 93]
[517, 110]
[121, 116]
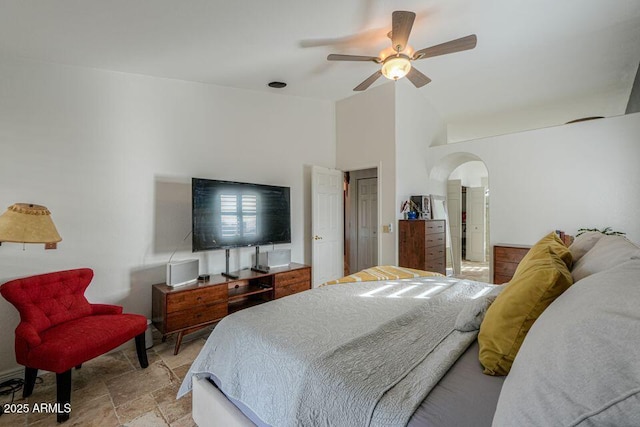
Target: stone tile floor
[478, 271]
[112, 390]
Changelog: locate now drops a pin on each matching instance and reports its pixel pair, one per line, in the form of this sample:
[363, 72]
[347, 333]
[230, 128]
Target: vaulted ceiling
[537, 63]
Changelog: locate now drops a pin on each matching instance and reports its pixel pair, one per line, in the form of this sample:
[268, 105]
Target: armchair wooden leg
[63, 390]
[141, 348]
[30, 375]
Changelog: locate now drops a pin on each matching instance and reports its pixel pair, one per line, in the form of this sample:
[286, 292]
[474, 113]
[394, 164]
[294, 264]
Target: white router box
[275, 258]
[182, 272]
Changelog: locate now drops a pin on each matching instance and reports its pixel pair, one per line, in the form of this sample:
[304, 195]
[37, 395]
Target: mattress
[463, 397]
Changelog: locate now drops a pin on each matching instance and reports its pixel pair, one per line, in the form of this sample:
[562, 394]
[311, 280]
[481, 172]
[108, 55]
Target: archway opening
[464, 178]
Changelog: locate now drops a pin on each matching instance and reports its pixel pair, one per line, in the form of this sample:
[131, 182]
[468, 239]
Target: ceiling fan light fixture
[396, 67]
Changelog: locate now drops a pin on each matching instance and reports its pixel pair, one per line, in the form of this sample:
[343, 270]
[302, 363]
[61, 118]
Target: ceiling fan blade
[457, 45]
[339, 57]
[417, 78]
[402, 22]
[368, 82]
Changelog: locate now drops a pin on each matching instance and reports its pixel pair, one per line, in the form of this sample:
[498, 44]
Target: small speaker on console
[276, 258]
[182, 272]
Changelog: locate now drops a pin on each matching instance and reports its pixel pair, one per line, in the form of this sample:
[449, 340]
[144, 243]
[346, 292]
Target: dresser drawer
[294, 288]
[509, 254]
[434, 227]
[178, 301]
[435, 265]
[506, 259]
[435, 252]
[288, 278]
[505, 268]
[432, 240]
[195, 315]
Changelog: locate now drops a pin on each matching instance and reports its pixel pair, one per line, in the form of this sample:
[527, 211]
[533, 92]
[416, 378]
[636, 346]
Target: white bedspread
[352, 354]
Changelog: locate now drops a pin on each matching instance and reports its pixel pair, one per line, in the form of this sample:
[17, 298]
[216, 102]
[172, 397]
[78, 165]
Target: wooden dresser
[422, 244]
[505, 261]
[186, 309]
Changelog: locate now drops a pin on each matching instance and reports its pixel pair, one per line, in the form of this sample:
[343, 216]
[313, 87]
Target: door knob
[317, 238]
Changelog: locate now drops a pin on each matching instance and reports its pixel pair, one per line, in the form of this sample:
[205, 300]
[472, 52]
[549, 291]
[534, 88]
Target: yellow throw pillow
[550, 241]
[535, 285]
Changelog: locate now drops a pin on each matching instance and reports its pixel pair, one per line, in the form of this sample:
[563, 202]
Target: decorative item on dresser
[423, 245]
[192, 307]
[505, 261]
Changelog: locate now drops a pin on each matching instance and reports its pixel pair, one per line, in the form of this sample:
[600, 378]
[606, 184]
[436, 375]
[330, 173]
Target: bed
[413, 351]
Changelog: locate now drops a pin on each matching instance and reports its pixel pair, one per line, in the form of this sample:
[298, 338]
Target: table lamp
[28, 223]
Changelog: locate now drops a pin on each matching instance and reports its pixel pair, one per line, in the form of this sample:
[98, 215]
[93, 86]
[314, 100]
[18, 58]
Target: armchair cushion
[82, 339]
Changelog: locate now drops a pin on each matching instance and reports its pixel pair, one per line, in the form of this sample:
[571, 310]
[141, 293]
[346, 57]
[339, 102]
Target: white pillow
[583, 244]
[579, 364]
[608, 252]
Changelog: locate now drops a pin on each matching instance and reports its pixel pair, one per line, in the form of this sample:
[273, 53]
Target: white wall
[566, 177]
[112, 156]
[365, 138]
[418, 126]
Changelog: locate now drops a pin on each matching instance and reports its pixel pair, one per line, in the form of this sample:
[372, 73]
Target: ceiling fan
[398, 64]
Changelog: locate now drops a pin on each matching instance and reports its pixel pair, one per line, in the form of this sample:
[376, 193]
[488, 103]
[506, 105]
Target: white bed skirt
[211, 408]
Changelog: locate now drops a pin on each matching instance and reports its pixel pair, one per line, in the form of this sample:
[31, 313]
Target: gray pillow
[608, 252]
[579, 365]
[583, 244]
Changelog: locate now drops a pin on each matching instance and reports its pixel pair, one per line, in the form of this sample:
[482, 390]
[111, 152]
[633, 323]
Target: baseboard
[17, 372]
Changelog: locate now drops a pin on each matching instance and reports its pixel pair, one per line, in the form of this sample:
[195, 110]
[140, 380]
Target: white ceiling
[551, 60]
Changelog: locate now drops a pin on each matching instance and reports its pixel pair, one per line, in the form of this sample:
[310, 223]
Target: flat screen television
[228, 214]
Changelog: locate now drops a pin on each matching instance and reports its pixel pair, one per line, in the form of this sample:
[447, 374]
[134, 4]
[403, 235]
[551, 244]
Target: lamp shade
[396, 67]
[28, 223]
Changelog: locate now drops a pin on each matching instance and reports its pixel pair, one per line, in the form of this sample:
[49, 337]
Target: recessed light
[277, 85]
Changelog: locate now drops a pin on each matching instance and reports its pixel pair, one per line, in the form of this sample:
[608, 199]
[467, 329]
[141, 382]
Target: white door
[367, 223]
[476, 224]
[326, 224]
[454, 207]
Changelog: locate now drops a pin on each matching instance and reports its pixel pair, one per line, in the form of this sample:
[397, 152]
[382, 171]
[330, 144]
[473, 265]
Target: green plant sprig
[607, 231]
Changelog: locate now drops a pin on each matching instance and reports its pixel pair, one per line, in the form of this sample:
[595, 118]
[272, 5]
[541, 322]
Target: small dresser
[505, 261]
[422, 244]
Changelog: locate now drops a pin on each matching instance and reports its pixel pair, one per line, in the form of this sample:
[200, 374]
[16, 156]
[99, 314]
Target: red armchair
[60, 329]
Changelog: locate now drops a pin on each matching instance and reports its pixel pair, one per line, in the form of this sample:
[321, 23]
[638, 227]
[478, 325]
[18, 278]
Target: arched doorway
[464, 178]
